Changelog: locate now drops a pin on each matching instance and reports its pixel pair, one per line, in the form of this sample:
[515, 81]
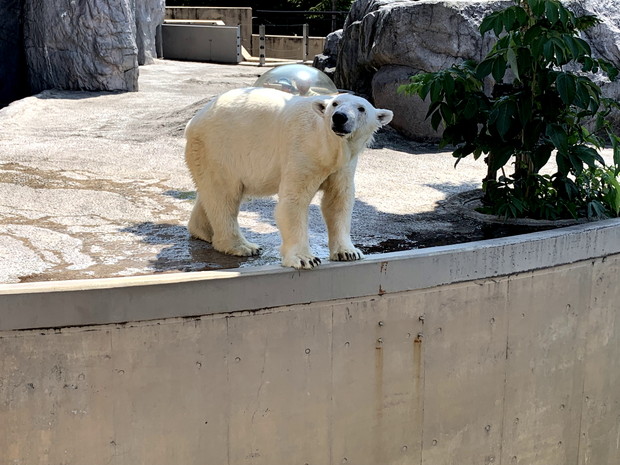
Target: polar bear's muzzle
[339, 124]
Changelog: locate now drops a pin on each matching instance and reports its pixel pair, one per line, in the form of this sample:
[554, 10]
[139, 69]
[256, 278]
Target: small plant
[541, 103]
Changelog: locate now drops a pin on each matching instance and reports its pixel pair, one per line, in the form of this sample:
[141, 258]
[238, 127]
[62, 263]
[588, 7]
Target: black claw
[318, 261]
[303, 264]
[340, 256]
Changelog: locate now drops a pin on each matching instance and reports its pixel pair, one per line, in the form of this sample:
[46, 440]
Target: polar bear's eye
[335, 104]
[361, 109]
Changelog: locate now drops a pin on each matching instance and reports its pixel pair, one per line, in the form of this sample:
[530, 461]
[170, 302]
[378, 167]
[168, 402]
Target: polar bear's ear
[319, 107]
[384, 116]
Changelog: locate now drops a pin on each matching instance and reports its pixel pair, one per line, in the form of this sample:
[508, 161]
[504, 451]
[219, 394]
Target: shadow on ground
[373, 231]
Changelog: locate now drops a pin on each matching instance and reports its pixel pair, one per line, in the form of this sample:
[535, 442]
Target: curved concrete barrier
[502, 351]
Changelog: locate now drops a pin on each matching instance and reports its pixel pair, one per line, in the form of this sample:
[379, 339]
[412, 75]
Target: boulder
[148, 16]
[604, 38]
[409, 111]
[408, 36]
[326, 61]
[12, 68]
[427, 35]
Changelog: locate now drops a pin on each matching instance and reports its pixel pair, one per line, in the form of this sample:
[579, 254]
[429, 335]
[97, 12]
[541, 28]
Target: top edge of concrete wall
[122, 300]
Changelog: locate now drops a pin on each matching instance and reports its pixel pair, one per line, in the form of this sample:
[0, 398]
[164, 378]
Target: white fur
[259, 142]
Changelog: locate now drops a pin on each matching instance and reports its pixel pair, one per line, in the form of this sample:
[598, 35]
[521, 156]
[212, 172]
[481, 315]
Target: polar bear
[255, 142]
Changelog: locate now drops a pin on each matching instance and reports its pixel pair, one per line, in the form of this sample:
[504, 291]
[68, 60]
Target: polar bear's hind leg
[199, 225]
[220, 198]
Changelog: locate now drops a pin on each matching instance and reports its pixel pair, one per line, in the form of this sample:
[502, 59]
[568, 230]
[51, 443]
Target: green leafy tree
[542, 99]
[314, 5]
[324, 5]
[319, 24]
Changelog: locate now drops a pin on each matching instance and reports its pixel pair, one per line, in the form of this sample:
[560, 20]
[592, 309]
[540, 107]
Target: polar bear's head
[351, 116]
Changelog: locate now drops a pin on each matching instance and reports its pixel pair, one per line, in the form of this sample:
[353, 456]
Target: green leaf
[566, 15]
[511, 57]
[499, 156]
[448, 84]
[521, 16]
[615, 143]
[498, 27]
[565, 84]
[499, 68]
[525, 109]
[537, 7]
[551, 11]
[446, 113]
[524, 61]
[541, 156]
[484, 68]
[611, 179]
[488, 23]
[548, 51]
[560, 51]
[586, 155]
[471, 108]
[436, 90]
[505, 113]
[436, 120]
[572, 45]
[609, 69]
[509, 18]
[575, 162]
[558, 136]
[432, 108]
[587, 64]
[582, 95]
[584, 47]
[563, 163]
[585, 22]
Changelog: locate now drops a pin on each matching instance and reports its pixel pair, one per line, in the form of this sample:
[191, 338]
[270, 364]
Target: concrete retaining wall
[288, 47]
[504, 351]
[238, 16]
[220, 44]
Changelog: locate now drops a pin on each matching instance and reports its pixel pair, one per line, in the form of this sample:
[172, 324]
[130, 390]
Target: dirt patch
[463, 230]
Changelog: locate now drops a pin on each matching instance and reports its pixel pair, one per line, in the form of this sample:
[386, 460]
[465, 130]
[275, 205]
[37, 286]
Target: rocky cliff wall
[385, 42]
[75, 45]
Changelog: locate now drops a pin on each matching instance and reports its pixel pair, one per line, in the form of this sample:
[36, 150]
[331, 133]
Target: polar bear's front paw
[346, 254]
[301, 261]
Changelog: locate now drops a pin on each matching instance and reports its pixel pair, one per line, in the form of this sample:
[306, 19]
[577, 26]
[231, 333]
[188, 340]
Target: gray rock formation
[87, 45]
[426, 35]
[12, 67]
[409, 112]
[326, 61]
[386, 41]
[148, 15]
[604, 40]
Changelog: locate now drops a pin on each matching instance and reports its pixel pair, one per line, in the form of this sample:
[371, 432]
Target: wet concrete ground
[94, 184]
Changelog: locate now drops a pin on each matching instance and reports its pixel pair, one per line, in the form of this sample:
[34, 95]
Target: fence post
[261, 45]
[304, 46]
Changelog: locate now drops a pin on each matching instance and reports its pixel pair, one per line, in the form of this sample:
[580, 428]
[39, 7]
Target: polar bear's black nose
[339, 118]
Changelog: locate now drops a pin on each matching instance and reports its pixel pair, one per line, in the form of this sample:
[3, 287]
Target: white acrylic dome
[298, 80]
